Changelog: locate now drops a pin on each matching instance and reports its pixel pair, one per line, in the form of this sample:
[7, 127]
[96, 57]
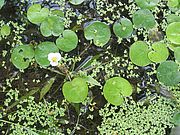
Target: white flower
[54, 58]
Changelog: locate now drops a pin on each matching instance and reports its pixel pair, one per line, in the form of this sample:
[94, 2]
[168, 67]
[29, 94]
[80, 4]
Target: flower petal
[54, 63]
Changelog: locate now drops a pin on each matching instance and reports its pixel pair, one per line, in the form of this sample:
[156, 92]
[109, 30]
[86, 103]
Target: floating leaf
[168, 73]
[36, 14]
[143, 18]
[173, 32]
[46, 87]
[159, 53]
[76, 90]
[76, 2]
[42, 51]
[177, 54]
[176, 119]
[52, 25]
[115, 89]
[98, 32]
[1, 3]
[139, 53]
[5, 30]
[123, 28]
[147, 4]
[68, 42]
[22, 56]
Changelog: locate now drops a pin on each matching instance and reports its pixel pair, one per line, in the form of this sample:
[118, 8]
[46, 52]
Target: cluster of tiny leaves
[33, 117]
[135, 118]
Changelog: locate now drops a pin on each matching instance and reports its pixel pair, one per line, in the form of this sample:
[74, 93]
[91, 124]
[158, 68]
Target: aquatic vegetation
[68, 41]
[115, 89]
[135, 118]
[139, 53]
[168, 73]
[143, 18]
[159, 52]
[99, 32]
[172, 33]
[22, 56]
[123, 28]
[43, 50]
[104, 66]
[75, 91]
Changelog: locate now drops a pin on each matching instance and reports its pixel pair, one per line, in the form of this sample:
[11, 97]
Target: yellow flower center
[54, 59]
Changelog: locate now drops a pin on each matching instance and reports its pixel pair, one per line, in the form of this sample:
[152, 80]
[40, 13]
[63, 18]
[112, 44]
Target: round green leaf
[159, 52]
[5, 30]
[139, 53]
[143, 18]
[76, 2]
[68, 42]
[177, 53]
[147, 4]
[22, 56]
[52, 25]
[168, 73]
[42, 51]
[36, 14]
[123, 28]
[76, 90]
[176, 119]
[173, 32]
[115, 89]
[98, 32]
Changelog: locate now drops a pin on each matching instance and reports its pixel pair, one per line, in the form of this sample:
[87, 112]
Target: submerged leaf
[46, 88]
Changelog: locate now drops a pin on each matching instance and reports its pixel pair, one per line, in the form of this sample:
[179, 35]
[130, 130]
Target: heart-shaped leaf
[147, 4]
[76, 90]
[52, 25]
[22, 56]
[68, 42]
[115, 89]
[42, 51]
[159, 53]
[173, 32]
[98, 32]
[36, 14]
[139, 53]
[123, 28]
[143, 18]
[168, 73]
[76, 2]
